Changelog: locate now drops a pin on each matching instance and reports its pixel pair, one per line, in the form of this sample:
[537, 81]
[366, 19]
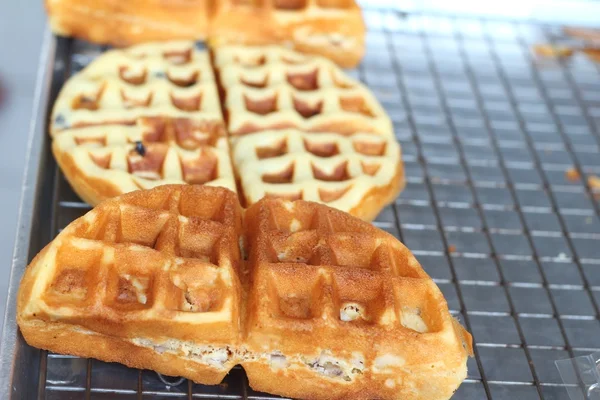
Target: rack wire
[487, 133]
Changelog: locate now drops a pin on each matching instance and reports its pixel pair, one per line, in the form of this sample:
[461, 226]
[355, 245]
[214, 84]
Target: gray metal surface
[21, 27]
[487, 133]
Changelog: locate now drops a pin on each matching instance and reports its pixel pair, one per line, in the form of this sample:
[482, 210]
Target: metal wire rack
[487, 132]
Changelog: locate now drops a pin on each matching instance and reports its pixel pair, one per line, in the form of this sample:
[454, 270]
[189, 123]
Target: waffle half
[330, 28]
[138, 118]
[128, 22]
[320, 305]
[296, 127]
[149, 279]
[302, 129]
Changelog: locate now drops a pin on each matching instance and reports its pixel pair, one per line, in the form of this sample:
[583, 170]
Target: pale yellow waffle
[338, 309]
[358, 173]
[271, 88]
[325, 306]
[148, 279]
[141, 117]
[331, 28]
[104, 161]
[303, 129]
[171, 79]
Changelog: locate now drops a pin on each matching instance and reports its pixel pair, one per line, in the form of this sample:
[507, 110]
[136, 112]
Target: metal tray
[487, 133]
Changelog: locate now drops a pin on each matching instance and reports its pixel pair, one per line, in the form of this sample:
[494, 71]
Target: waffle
[302, 129]
[331, 28]
[339, 309]
[150, 115]
[128, 22]
[272, 87]
[359, 173]
[171, 79]
[139, 118]
[148, 279]
[325, 306]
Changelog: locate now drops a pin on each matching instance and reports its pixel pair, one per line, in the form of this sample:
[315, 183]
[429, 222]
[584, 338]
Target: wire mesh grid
[487, 133]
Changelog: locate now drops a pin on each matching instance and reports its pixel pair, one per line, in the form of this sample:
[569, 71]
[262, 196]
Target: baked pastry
[148, 279]
[331, 28]
[324, 305]
[128, 22]
[358, 173]
[299, 128]
[141, 117]
[338, 309]
[268, 87]
[302, 129]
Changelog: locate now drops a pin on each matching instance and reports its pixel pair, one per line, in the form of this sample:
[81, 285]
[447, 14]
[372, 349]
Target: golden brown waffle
[358, 173]
[129, 22]
[139, 118]
[148, 279]
[331, 28]
[338, 303]
[325, 307]
[273, 87]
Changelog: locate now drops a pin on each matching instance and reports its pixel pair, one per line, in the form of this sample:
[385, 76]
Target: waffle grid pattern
[143, 117]
[487, 132]
[174, 151]
[183, 247]
[333, 28]
[273, 92]
[316, 167]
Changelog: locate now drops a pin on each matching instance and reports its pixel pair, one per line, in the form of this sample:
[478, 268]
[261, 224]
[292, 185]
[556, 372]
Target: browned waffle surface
[344, 306]
[269, 87]
[325, 306]
[301, 128]
[154, 270]
[331, 28]
[124, 23]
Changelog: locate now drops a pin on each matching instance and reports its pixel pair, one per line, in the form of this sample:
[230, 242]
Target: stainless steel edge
[35, 142]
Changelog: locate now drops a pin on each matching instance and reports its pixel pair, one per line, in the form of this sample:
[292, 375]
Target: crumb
[572, 175]
[549, 50]
[593, 53]
[593, 182]
[452, 248]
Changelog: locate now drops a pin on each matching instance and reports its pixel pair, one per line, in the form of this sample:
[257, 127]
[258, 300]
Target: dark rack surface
[488, 131]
